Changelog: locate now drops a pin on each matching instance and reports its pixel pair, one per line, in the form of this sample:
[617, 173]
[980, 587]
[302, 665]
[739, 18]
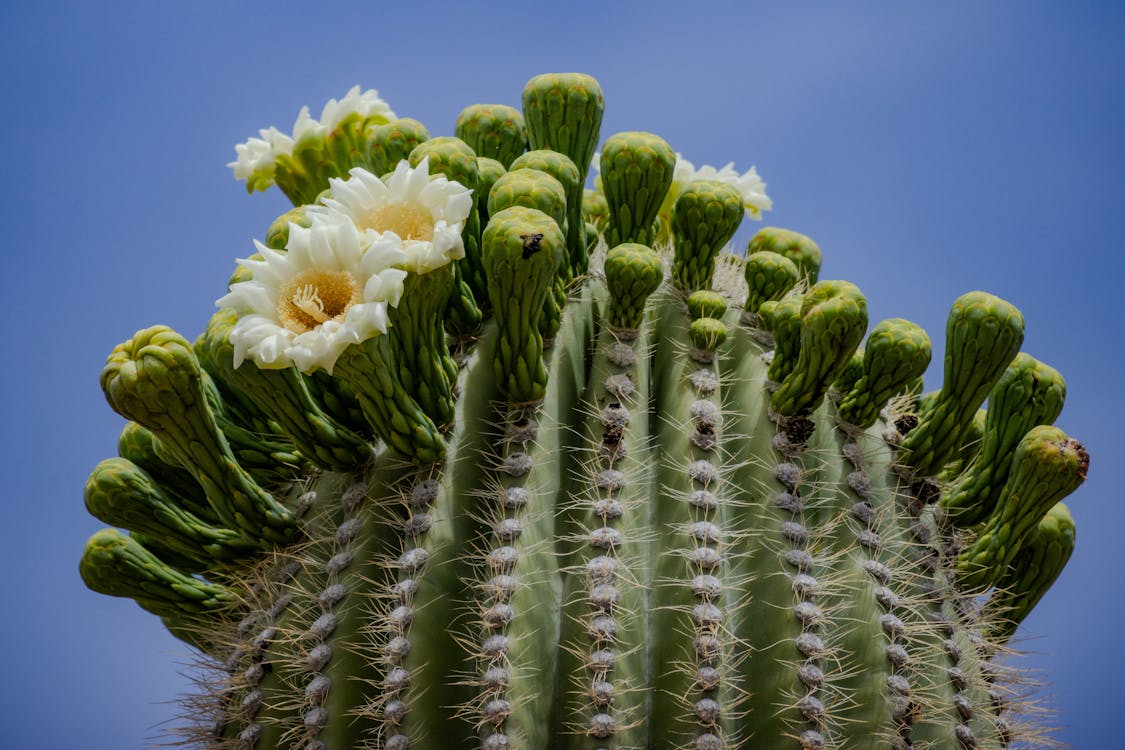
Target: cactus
[536, 468]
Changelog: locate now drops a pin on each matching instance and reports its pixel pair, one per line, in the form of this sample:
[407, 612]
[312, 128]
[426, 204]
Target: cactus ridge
[582, 496]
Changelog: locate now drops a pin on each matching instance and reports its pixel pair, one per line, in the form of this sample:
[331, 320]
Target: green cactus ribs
[475, 454]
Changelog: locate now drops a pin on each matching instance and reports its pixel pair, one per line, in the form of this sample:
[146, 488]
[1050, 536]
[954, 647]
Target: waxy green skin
[588, 501]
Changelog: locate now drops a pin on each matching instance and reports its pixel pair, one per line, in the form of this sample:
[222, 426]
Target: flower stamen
[316, 296]
[308, 301]
[408, 220]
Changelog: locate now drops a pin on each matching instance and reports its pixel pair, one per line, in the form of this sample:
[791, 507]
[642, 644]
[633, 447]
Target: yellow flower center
[317, 296]
[408, 220]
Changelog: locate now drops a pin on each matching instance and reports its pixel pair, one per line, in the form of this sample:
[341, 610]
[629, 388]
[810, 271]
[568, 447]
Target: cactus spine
[491, 470]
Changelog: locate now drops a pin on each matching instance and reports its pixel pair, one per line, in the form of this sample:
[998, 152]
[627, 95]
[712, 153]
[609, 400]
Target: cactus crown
[470, 456]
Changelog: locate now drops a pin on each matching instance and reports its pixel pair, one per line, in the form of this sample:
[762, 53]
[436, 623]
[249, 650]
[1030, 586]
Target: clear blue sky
[930, 149]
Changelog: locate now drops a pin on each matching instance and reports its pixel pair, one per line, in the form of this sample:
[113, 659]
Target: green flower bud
[705, 216]
[1029, 393]
[704, 304]
[637, 171]
[769, 276]
[632, 273]
[522, 251]
[896, 353]
[1046, 467]
[495, 131]
[982, 336]
[796, 247]
[833, 321]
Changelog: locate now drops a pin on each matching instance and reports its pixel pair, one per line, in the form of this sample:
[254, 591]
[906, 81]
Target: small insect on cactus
[470, 456]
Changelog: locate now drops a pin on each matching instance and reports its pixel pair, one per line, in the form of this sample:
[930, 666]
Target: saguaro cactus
[450, 470]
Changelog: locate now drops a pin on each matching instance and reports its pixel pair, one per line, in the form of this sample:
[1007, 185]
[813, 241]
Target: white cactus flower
[366, 105]
[256, 157]
[330, 289]
[412, 213]
[754, 198]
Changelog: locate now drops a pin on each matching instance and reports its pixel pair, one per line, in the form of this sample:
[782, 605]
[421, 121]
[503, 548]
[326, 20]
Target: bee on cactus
[471, 455]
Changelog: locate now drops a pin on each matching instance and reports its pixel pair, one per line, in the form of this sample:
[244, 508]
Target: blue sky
[930, 149]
